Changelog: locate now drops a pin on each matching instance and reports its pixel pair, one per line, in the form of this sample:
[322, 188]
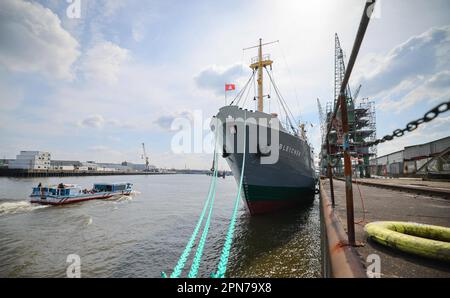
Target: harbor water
[142, 235]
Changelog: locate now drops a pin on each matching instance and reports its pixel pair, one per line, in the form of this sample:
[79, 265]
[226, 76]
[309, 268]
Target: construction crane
[145, 157]
[339, 70]
[355, 96]
[322, 119]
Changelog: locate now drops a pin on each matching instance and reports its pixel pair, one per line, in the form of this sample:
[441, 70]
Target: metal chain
[413, 125]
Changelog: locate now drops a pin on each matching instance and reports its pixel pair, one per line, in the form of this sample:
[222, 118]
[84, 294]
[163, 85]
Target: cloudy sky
[96, 87]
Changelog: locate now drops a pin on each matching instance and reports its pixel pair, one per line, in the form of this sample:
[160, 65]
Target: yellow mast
[258, 65]
[260, 78]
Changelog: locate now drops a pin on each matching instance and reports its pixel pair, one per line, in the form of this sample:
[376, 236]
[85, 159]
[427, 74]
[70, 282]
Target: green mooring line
[223, 261]
[178, 269]
[198, 254]
[222, 266]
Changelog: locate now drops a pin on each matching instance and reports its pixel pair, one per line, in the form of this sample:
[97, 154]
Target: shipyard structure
[362, 126]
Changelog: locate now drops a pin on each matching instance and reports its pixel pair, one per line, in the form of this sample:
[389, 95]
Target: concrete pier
[382, 203]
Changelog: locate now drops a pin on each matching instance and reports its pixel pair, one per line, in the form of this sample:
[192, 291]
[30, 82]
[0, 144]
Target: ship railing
[264, 58]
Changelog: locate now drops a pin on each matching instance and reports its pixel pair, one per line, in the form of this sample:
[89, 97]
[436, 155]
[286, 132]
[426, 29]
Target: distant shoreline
[30, 174]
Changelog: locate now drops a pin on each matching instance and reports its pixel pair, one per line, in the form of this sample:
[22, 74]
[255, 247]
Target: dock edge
[339, 260]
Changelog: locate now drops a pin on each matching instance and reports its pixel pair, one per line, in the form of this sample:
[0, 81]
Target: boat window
[120, 187]
[99, 187]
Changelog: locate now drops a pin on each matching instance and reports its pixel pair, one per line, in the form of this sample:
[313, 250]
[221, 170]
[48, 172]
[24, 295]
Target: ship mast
[257, 64]
[260, 78]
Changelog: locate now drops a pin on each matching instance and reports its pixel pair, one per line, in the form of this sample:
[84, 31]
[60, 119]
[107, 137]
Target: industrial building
[4, 162]
[31, 160]
[432, 158]
[64, 165]
[41, 161]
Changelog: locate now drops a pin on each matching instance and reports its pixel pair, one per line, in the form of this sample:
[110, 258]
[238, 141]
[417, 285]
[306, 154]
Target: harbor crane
[356, 93]
[145, 157]
[322, 119]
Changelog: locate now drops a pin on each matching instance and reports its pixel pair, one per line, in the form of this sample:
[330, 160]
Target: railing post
[347, 171]
[330, 174]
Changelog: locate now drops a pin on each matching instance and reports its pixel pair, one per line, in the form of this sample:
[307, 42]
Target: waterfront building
[31, 160]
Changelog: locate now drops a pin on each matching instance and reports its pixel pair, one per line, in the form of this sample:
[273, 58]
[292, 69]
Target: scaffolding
[362, 126]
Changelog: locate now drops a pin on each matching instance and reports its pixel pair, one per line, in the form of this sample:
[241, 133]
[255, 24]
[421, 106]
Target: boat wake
[14, 207]
[88, 221]
[126, 198]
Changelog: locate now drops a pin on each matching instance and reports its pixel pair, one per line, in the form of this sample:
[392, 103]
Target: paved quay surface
[391, 205]
[410, 182]
[414, 185]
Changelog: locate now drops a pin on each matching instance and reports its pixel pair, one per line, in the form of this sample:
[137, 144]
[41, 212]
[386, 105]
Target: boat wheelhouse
[112, 187]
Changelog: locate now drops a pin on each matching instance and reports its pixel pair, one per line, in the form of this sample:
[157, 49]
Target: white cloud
[93, 121]
[103, 62]
[214, 78]
[98, 121]
[165, 121]
[434, 89]
[420, 56]
[33, 40]
[415, 72]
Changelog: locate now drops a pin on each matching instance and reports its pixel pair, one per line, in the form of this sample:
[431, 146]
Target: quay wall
[56, 173]
[339, 260]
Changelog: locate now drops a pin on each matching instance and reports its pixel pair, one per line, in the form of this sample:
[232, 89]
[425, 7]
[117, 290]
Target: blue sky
[94, 88]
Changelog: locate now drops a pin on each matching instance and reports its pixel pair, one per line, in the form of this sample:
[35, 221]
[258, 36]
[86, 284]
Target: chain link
[413, 125]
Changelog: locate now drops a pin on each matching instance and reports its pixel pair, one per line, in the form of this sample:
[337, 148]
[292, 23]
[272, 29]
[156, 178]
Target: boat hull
[75, 199]
[268, 188]
[263, 199]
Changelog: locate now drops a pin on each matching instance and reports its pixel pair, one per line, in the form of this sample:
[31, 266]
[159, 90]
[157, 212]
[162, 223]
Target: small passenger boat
[71, 193]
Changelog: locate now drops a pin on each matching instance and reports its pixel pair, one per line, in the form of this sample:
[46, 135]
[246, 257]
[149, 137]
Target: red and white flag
[229, 87]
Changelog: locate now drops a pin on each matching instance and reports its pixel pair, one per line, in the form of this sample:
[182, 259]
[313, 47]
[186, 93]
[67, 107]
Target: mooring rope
[178, 269]
[198, 254]
[222, 266]
[223, 261]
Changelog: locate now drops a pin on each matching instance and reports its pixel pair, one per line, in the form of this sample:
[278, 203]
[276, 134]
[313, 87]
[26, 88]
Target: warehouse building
[31, 160]
[412, 160]
[64, 165]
